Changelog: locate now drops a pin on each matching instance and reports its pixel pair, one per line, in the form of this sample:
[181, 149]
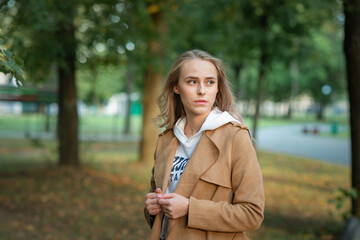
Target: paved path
[291, 140]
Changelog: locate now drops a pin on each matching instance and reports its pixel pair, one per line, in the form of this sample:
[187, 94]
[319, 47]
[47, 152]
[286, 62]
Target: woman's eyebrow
[193, 77]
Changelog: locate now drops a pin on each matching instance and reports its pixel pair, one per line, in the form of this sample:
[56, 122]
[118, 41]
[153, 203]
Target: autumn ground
[104, 199]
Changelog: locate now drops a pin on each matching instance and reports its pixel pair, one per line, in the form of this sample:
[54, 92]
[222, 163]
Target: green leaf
[8, 66]
[339, 204]
[8, 53]
[19, 82]
[353, 193]
[19, 61]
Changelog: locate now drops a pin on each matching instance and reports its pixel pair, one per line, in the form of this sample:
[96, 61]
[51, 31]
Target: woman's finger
[151, 202]
[151, 195]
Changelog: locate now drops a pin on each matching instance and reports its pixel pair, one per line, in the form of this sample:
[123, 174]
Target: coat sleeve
[246, 211]
[149, 218]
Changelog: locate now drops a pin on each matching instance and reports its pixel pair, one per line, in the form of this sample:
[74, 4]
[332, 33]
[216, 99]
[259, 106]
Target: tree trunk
[152, 89]
[259, 91]
[294, 68]
[238, 90]
[246, 110]
[93, 94]
[68, 115]
[47, 118]
[352, 56]
[289, 112]
[264, 58]
[128, 88]
[320, 111]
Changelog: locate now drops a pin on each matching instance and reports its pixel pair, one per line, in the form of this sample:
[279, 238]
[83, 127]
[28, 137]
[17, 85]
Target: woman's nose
[201, 89]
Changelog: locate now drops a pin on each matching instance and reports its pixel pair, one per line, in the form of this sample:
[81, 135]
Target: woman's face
[197, 87]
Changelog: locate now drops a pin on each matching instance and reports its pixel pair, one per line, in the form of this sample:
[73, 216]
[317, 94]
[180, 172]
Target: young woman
[206, 181]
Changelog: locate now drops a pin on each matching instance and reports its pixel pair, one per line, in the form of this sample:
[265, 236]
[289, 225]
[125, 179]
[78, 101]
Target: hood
[215, 119]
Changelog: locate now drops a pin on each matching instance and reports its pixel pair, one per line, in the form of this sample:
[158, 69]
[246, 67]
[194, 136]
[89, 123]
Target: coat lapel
[204, 156]
[164, 162]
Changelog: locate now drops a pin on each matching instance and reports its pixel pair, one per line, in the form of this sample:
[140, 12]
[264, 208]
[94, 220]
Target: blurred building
[18, 100]
[303, 105]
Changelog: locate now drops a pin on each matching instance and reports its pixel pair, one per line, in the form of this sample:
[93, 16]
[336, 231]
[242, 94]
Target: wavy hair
[171, 107]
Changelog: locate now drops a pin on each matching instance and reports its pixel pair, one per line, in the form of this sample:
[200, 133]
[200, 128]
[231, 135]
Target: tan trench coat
[223, 181]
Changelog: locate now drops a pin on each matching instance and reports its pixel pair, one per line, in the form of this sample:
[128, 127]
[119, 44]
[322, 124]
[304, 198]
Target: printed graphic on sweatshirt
[178, 168]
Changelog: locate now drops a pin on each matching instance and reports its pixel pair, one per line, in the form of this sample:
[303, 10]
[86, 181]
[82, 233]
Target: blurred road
[291, 140]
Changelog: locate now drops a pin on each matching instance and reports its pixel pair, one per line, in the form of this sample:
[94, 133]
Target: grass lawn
[105, 198]
[98, 124]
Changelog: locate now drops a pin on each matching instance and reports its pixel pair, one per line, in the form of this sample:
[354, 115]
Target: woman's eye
[191, 81]
[210, 82]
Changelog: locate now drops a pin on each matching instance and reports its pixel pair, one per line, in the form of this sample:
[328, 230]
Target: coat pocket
[212, 190]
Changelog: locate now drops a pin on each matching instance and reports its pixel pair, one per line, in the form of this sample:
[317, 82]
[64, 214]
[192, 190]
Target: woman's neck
[193, 124]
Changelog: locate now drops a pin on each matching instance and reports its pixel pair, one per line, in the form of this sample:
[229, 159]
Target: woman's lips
[201, 102]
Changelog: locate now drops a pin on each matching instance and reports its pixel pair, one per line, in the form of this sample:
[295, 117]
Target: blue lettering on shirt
[178, 168]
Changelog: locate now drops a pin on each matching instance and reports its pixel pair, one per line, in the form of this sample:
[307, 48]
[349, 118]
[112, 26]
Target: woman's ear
[176, 89]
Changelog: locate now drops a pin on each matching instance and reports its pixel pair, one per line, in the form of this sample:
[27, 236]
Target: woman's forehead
[198, 67]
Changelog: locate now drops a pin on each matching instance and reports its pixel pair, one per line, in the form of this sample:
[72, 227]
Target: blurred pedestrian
[206, 181]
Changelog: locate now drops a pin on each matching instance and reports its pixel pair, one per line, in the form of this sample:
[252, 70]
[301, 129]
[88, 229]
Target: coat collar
[200, 164]
[204, 156]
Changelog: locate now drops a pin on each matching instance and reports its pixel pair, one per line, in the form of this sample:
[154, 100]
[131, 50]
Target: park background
[76, 130]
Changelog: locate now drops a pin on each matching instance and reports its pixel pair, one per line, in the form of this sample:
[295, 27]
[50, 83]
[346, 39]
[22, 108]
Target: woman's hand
[152, 202]
[174, 205]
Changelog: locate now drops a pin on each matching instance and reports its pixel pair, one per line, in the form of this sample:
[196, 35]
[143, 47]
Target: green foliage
[32, 27]
[344, 195]
[107, 81]
[324, 65]
[108, 33]
[12, 65]
[279, 82]
[117, 34]
[237, 32]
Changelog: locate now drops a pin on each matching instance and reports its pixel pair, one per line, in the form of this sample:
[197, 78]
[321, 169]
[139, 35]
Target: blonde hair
[171, 107]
